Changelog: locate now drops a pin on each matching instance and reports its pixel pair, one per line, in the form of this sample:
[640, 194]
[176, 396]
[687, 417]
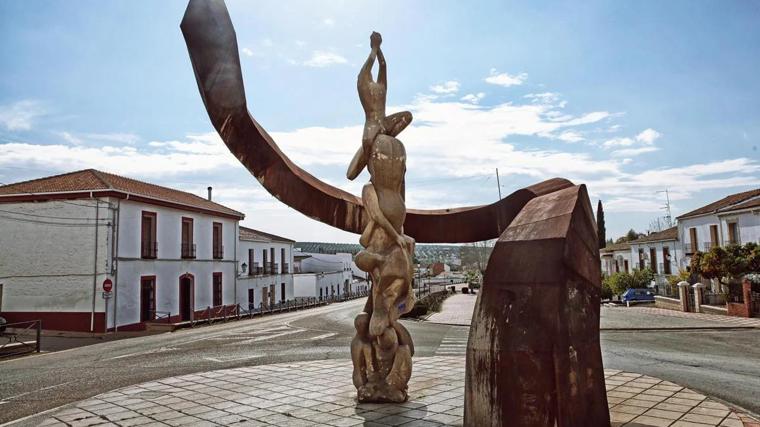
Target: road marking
[140, 353]
[232, 359]
[319, 337]
[269, 337]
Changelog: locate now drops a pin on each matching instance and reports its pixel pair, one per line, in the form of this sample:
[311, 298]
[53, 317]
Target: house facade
[661, 252]
[616, 258]
[169, 254]
[735, 219]
[326, 276]
[265, 264]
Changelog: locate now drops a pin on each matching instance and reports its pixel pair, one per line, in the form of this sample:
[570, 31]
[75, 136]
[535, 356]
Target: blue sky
[630, 98]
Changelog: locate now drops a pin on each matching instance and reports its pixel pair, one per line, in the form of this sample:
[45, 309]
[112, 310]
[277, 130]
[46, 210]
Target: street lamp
[244, 267]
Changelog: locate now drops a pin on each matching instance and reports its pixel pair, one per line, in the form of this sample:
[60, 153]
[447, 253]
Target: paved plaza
[456, 310]
[320, 393]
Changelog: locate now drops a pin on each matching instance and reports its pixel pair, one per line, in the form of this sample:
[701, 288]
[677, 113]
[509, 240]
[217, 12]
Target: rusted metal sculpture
[533, 357]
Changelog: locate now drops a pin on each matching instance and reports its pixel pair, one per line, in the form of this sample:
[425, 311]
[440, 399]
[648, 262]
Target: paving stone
[321, 393]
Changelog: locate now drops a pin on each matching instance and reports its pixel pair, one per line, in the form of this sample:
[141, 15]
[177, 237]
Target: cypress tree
[601, 230]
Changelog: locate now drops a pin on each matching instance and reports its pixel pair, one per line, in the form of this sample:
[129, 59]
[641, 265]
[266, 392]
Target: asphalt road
[723, 364]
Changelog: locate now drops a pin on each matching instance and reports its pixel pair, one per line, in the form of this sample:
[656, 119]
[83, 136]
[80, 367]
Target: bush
[617, 283]
[727, 264]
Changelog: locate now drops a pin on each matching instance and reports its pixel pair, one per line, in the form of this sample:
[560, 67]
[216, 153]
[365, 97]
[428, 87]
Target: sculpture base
[381, 392]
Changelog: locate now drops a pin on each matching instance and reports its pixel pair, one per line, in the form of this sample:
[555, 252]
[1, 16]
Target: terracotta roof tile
[724, 204]
[251, 234]
[93, 180]
[669, 234]
[616, 247]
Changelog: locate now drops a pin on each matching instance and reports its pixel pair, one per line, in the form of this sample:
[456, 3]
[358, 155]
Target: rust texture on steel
[533, 356]
[212, 44]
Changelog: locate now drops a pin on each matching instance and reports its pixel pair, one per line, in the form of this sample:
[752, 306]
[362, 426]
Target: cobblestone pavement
[456, 310]
[320, 393]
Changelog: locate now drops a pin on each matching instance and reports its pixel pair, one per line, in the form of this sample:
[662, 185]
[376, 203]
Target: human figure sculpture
[382, 348]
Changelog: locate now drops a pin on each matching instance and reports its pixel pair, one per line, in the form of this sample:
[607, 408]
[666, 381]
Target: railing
[688, 248]
[218, 252]
[255, 270]
[188, 250]
[160, 316]
[11, 332]
[706, 246]
[149, 250]
[735, 241]
[285, 267]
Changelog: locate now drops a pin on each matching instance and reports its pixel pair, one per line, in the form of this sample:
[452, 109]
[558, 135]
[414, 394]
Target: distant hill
[425, 254]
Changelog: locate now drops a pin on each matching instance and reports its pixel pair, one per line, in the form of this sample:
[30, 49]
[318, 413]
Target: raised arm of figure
[382, 77]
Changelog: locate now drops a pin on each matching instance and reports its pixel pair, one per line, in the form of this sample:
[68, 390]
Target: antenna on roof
[668, 216]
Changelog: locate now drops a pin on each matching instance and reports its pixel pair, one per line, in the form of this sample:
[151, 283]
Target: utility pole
[498, 184]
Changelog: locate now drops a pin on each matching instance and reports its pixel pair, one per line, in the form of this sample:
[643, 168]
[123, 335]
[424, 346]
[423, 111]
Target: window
[733, 234]
[692, 241]
[282, 260]
[713, 238]
[218, 248]
[272, 265]
[666, 260]
[282, 292]
[217, 289]
[188, 247]
[147, 298]
[251, 265]
[148, 245]
[265, 264]
[653, 259]
[251, 299]
[626, 265]
[641, 259]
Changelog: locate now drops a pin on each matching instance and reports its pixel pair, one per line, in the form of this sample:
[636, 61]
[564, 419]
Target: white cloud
[648, 136]
[630, 152]
[570, 136]
[328, 22]
[504, 79]
[70, 138]
[322, 59]
[544, 98]
[473, 98]
[446, 88]
[20, 115]
[247, 52]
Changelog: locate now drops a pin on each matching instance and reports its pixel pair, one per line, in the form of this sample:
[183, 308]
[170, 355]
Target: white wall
[748, 223]
[168, 265]
[256, 283]
[332, 284]
[258, 248]
[46, 261]
[677, 259]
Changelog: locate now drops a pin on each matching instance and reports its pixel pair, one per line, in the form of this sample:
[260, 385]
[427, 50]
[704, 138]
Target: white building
[616, 258]
[733, 219]
[326, 276]
[266, 269]
[167, 252]
[661, 252]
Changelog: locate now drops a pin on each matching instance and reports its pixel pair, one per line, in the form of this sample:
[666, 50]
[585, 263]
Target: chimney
[209, 193]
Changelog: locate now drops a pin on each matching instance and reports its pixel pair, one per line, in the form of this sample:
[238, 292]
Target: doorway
[147, 298]
[186, 297]
[251, 296]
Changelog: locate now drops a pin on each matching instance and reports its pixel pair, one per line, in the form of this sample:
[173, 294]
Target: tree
[601, 231]
[476, 254]
[727, 264]
[619, 282]
[629, 236]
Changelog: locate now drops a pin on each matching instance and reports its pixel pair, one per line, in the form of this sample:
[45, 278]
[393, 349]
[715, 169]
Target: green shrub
[617, 283]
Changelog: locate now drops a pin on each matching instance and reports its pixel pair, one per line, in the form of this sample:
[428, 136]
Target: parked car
[637, 295]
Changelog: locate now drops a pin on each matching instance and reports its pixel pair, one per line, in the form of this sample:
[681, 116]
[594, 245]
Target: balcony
[218, 252]
[149, 250]
[688, 248]
[708, 245]
[188, 250]
[285, 267]
[734, 241]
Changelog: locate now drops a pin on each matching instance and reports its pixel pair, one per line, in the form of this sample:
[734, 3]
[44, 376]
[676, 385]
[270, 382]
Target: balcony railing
[688, 248]
[285, 267]
[735, 241]
[149, 250]
[218, 252]
[254, 270]
[706, 246]
[188, 250]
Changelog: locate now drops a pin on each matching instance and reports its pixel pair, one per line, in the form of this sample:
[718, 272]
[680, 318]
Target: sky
[629, 98]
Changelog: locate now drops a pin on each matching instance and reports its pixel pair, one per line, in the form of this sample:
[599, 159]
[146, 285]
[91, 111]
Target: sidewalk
[320, 393]
[456, 310]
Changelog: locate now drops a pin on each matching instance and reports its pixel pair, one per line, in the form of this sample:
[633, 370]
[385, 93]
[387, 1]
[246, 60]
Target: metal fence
[20, 338]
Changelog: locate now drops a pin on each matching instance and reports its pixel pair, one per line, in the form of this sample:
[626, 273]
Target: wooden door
[147, 299]
[251, 297]
[185, 298]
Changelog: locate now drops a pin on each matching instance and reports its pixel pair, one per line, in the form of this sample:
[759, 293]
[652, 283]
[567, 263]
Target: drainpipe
[95, 264]
[117, 229]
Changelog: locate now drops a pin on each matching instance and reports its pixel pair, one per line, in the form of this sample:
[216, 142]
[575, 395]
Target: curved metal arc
[212, 45]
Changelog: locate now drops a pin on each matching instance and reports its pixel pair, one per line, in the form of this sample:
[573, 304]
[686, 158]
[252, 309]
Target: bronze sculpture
[541, 368]
[382, 348]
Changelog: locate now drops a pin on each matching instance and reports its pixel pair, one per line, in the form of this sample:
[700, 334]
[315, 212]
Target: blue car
[637, 295]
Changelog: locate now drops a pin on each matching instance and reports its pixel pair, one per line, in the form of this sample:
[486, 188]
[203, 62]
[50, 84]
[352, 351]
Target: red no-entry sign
[107, 285]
